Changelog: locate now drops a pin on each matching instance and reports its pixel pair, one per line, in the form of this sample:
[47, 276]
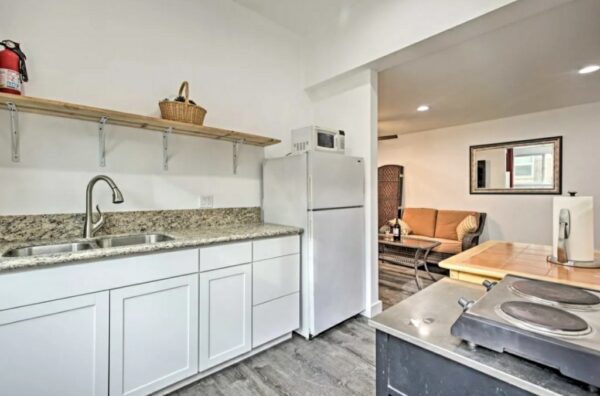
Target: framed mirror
[522, 167]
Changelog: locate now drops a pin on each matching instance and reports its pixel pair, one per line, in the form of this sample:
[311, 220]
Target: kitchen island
[493, 260]
[416, 354]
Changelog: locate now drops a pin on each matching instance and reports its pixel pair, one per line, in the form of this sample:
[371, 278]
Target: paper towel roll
[580, 244]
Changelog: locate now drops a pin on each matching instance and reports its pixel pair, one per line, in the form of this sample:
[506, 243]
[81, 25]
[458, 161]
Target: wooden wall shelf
[88, 113]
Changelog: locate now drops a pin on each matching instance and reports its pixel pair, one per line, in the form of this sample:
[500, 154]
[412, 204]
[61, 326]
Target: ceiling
[300, 16]
[521, 68]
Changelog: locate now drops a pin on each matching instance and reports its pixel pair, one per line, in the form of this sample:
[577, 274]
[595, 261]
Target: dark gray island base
[417, 355]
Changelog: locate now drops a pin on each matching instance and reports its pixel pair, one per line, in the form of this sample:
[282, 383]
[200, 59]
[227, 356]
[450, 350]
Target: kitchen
[239, 235]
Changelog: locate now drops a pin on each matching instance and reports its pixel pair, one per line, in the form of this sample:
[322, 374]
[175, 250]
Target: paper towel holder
[564, 232]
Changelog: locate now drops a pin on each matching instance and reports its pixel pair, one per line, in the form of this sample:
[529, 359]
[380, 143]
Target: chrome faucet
[90, 227]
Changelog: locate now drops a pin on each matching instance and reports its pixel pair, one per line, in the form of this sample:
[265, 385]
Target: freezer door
[338, 266]
[335, 181]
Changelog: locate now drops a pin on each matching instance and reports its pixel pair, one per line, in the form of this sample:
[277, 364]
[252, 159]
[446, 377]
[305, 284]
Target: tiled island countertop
[493, 260]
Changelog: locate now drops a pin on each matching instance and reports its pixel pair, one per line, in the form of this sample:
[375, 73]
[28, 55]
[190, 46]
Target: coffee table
[389, 252]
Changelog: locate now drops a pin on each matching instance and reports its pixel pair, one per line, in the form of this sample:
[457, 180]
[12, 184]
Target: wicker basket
[182, 111]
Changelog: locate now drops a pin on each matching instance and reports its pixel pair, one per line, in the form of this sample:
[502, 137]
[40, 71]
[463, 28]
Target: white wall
[353, 108]
[436, 165]
[127, 55]
[371, 30]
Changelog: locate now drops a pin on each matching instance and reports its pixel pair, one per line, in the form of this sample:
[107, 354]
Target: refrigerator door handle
[309, 190]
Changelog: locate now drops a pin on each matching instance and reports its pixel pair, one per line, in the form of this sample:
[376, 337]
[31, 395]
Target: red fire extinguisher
[12, 67]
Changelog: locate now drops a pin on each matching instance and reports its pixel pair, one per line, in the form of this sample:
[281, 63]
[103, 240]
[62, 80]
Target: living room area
[479, 135]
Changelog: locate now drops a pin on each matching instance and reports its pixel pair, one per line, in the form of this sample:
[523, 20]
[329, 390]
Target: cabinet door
[55, 348]
[225, 314]
[153, 335]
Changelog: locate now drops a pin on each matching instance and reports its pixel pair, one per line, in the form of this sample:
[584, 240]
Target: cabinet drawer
[222, 256]
[275, 278]
[276, 247]
[275, 318]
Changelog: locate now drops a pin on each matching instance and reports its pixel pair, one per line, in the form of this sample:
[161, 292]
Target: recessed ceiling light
[589, 69]
[423, 108]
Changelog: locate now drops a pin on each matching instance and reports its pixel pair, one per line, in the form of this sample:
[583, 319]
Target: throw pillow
[404, 227]
[469, 224]
[385, 228]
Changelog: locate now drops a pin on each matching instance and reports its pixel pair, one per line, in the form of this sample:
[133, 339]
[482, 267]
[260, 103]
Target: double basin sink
[98, 243]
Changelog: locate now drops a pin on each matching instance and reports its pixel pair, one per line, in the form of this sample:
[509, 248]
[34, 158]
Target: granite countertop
[425, 318]
[186, 238]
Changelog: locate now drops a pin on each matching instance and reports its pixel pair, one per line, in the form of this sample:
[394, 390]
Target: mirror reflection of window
[533, 166]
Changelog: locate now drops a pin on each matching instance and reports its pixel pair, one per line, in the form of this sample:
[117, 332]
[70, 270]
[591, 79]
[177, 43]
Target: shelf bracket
[102, 141]
[236, 155]
[14, 131]
[166, 135]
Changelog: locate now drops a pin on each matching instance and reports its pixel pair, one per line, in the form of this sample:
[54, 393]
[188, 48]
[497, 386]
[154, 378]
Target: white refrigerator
[324, 194]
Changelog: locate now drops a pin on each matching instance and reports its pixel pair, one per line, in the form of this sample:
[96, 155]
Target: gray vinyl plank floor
[397, 283]
[340, 361]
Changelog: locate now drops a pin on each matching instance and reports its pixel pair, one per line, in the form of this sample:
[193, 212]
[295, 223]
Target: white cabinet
[221, 256]
[275, 247]
[55, 348]
[135, 325]
[225, 314]
[275, 318]
[153, 335]
[276, 288]
[275, 278]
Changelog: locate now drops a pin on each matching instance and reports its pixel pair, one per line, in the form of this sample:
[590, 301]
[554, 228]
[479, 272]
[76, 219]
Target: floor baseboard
[375, 309]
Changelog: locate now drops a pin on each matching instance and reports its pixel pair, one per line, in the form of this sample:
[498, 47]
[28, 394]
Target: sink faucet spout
[91, 227]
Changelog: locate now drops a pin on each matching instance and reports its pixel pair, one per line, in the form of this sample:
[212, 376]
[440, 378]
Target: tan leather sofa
[440, 225]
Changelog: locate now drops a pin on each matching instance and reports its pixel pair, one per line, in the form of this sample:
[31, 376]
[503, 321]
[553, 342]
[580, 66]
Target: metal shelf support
[236, 155]
[14, 131]
[102, 141]
[166, 135]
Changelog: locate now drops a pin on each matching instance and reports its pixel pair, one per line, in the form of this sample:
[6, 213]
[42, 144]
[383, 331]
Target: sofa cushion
[421, 220]
[447, 221]
[448, 246]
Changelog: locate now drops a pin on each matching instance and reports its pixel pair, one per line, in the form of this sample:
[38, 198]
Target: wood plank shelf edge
[57, 108]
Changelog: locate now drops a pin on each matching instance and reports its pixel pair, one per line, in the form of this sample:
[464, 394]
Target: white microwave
[316, 138]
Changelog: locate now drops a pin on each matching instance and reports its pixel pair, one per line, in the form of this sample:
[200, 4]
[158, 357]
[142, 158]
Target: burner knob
[488, 285]
[465, 304]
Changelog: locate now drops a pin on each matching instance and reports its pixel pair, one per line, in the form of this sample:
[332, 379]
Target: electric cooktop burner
[544, 318]
[553, 324]
[555, 293]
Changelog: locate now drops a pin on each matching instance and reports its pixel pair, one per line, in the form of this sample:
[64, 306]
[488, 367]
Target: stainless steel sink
[128, 240]
[49, 249]
[104, 242]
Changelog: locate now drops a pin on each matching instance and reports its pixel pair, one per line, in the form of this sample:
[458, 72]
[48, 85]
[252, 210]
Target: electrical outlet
[206, 201]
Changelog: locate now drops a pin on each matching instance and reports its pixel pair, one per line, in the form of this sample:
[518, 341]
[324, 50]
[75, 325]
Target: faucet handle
[100, 221]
